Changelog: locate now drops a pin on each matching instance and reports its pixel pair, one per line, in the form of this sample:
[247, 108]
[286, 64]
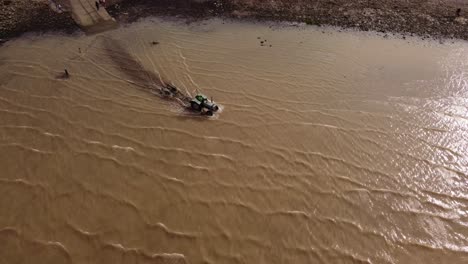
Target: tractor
[200, 103]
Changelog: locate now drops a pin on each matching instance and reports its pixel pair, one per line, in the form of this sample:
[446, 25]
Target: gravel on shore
[20, 16]
[426, 18]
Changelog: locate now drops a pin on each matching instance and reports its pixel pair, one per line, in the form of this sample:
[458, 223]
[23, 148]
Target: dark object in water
[63, 75]
[458, 12]
[172, 91]
[154, 43]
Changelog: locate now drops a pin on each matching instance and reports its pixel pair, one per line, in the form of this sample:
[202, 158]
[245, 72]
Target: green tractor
[200, 103]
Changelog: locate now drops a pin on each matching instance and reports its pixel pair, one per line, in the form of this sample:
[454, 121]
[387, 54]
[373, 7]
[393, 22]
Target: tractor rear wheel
[195, 106]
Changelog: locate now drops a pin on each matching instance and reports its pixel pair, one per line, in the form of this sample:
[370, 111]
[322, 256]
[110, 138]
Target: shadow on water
[61, 76]
[132, 68]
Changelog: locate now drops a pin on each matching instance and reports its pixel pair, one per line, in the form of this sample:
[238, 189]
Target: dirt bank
[426, 18]
[19, 16]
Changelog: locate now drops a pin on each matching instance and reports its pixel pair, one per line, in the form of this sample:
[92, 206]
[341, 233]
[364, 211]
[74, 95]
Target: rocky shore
[20, 16]
[425, 18]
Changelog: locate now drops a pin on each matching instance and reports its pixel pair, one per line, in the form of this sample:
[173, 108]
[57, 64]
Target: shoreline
[423, 18]
[22, 16]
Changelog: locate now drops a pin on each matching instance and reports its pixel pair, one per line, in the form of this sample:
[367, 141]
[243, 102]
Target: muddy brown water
[330, 148]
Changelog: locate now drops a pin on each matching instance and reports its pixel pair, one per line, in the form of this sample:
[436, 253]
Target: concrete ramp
[91, 20]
